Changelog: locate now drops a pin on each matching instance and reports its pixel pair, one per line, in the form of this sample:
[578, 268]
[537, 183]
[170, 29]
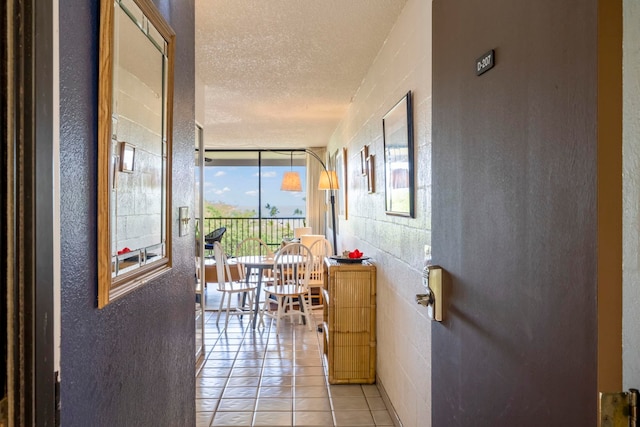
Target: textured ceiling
[281, 73]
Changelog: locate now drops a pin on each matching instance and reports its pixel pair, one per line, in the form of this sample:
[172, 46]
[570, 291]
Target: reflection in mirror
[135, 140]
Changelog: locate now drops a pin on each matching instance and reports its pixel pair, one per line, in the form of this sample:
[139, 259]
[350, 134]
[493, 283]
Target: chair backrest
[215, 235]
[292, 264]
[223, 269]
[310, 239]
[319, 249]
[253, 246]
[300, 231]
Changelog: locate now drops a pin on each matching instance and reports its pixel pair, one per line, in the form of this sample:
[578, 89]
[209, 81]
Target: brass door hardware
[618, 409]
[433, 299]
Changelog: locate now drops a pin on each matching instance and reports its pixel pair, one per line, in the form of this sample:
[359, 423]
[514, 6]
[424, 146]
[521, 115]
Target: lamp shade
[328, 180]
[291, 182]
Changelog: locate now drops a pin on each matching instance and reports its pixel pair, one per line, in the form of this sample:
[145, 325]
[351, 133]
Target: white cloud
[220, 173]
[222, 191]
[251, 193]
[270, 174]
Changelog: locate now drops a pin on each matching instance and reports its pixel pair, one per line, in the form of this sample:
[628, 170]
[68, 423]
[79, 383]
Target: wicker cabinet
[349, 322]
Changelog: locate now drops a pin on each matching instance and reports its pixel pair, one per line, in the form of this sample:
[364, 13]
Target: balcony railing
[271, 230]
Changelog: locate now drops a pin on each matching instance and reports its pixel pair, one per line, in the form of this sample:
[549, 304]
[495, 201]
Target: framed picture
[370, 164]
[364, 153]
[397, 128]
[341, 171]
[127, 157]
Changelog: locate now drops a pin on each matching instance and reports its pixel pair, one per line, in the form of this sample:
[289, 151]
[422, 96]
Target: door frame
[26, 250]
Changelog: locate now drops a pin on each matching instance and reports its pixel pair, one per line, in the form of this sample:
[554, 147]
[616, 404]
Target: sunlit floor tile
[240, 392]
[310, 391]
[203, 419]
[246, 372]
[353, 418]
[208, 392]
[345, 390]
[370, 390]
[308, 371]
[311, 380]
[272, 404]
[342, 403]
[382, 418]
[272, 371]
[273, 419]
[202, 381]
[311, 404]
[376, 404]
[206, 405]
[281, 391]
[236, 405]
[248, 363]
[232, 419]
[255, 377]
[315, 419]
[243, 382]
[276, 381]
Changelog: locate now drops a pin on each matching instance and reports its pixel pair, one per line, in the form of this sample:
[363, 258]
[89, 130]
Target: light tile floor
[257, 378]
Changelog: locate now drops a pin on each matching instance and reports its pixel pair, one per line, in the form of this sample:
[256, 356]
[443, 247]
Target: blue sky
[238, 186]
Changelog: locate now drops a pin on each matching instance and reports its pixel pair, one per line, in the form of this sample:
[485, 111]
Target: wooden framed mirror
[134, 146]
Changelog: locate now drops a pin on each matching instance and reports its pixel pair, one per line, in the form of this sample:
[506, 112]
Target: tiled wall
[631, 202]
[396, 243]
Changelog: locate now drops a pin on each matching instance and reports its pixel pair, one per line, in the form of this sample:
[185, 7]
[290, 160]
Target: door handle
[434, 298]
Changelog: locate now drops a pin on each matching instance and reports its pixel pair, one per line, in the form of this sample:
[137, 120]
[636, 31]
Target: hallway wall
[631, 195]
[396, 243]
[132, 362]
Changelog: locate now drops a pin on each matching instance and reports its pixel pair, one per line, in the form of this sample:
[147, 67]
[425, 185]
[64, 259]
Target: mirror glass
[134, 151]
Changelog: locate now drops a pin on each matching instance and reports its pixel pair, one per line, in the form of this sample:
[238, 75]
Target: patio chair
[214, 236]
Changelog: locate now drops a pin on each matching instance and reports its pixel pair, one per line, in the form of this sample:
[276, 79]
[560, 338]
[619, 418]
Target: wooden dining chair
[290, 291]
[244, 292]
[320, 249]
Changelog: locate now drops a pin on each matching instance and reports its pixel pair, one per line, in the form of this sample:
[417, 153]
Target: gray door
[522, 214]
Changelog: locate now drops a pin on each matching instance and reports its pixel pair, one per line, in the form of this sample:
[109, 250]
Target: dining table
[258, 264]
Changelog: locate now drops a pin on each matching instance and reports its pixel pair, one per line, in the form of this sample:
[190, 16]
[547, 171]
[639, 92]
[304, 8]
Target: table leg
[258, 289]
[244, 294]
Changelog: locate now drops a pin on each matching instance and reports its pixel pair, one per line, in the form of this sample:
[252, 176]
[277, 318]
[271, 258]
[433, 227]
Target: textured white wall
[396, 243]
[631, 195]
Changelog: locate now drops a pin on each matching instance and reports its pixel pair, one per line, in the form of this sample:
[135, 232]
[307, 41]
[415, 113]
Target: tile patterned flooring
[257, 378]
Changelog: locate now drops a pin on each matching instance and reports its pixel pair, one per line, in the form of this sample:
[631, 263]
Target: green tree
[273, 210]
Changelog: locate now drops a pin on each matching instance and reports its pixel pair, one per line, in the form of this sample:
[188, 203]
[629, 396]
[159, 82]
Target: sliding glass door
[242, 193]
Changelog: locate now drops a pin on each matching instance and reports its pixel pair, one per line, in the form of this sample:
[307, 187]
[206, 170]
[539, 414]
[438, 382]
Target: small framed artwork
[397, 129]
[371, 182]
[127, 157]
[364, 153]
